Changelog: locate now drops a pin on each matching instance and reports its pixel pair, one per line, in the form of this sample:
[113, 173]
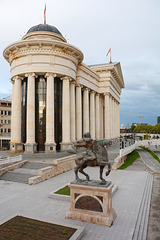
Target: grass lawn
[133, 156]
[152, 153]
[64, 191]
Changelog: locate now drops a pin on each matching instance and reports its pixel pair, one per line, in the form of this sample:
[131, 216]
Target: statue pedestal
[91, 201]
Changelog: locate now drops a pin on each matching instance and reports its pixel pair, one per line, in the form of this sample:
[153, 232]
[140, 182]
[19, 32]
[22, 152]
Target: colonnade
[88, 112]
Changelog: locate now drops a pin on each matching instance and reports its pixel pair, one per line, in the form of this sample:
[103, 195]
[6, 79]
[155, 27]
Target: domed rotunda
[56, 97]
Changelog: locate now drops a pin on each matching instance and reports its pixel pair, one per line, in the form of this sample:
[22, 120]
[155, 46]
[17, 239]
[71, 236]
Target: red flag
[45, 14]
[108, 52]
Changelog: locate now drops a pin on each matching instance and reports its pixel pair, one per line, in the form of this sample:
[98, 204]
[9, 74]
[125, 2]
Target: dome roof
[44, 27]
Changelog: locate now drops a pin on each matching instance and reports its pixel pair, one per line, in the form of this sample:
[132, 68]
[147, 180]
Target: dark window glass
[9, 112]
[24, 110]
[40, 118]
[58, 112]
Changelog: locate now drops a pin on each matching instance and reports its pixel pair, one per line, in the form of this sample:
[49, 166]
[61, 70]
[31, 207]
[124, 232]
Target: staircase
[140, 230]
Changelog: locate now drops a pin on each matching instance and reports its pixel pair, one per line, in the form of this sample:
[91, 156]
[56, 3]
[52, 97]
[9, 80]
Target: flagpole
[45, 14]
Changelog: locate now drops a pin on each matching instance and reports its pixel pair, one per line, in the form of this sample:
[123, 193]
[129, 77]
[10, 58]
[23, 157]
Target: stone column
[115, 126]
[85, 110]
[97, 117]
[92, 115]
[30, 145]
[50, 145]
[111, 117]
[16, 144]
[78, 112]
[12, 114]
[72, 111]
[65, 114]
[118, 120]
[107, 117]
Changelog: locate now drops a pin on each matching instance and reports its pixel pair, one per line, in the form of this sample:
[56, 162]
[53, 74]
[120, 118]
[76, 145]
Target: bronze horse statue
[95, 155]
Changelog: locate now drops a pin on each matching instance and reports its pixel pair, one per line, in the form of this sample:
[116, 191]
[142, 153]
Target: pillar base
[50, 147]
[64, 146]
[91, 201]
[30, 148]
[16, 147]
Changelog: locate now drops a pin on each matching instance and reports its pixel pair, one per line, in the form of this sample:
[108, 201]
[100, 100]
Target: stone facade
[90, 95]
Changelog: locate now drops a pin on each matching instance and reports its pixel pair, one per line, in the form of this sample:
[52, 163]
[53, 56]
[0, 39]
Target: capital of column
[106, 94]
[93, 92]
[65, 78]
[72, 81]
[97, 94]
[86, 89]
[50, 74]
[17, 78]
[79, 85]
[31, 74]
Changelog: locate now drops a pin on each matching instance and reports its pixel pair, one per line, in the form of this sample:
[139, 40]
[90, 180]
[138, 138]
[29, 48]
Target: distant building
[5, 123]
[158, 119]
[122, 126]
[136, 124]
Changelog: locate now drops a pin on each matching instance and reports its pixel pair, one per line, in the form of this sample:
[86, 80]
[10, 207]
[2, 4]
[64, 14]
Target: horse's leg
[109, 169]
[76, 172]
[101, 172]
[85, 174]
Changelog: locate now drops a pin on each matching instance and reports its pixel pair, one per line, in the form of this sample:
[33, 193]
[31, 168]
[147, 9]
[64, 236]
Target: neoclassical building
[56, 97]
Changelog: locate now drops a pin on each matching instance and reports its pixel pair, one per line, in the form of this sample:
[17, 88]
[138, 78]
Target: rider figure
[86, 142]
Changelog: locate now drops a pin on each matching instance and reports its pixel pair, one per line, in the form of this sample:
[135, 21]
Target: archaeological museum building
[56, 97]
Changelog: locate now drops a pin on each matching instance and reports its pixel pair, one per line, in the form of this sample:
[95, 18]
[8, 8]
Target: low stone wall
[12, 167]
[118, 161]
[59, 166]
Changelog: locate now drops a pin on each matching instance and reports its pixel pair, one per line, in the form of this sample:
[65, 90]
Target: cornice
[42, 46]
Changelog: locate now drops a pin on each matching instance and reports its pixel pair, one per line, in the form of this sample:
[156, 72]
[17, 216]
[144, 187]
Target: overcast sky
[131, 28]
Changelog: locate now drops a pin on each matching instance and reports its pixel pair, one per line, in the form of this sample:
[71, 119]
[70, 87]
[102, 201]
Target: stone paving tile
[33, 201]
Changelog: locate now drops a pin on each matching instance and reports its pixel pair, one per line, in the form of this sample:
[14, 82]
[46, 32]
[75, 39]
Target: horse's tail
[109, 169]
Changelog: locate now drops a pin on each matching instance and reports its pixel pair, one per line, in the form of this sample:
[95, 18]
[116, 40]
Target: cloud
[130, 28]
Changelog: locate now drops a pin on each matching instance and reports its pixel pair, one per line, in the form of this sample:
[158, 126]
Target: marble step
[143, 215]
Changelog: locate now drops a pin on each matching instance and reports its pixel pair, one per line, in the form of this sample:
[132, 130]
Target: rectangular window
[1, 112]
[9, 112]
[1, 130]
[9, 121]
[1, 121]
[5, 121]
[5, 130]
[5, 112]
[9, 130]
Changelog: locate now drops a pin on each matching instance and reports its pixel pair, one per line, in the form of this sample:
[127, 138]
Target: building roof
[44, 27]
[6, 99]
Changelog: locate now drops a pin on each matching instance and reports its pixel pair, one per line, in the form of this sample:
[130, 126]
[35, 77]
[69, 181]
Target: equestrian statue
[95, 154]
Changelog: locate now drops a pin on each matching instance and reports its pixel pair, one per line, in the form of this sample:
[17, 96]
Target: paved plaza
[131, 203]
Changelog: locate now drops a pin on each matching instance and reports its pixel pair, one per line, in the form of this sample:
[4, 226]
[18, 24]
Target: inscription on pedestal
[88, 203]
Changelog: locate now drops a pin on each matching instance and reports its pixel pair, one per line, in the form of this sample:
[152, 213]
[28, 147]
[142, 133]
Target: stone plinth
[16, 147]
[30, 148]
[91, 202]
